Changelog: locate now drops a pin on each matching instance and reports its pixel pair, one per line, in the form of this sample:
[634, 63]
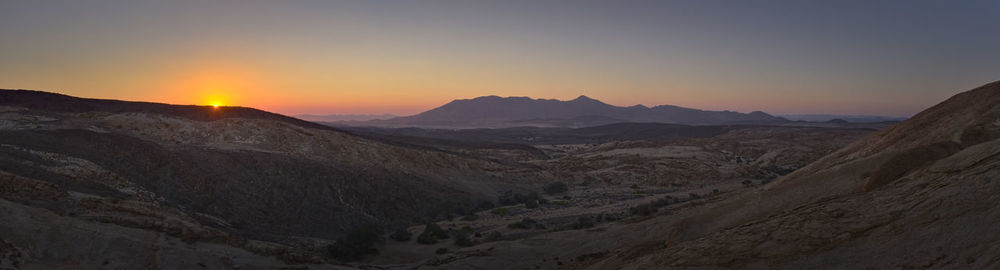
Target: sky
[891, 58]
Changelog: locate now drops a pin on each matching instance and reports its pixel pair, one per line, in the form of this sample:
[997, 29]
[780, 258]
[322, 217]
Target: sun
[215, 106]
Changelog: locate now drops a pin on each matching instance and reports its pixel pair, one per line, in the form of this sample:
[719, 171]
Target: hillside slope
[921, 194]
[222, 175]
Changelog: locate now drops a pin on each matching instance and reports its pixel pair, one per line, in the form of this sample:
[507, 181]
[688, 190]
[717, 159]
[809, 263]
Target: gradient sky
[843, 57]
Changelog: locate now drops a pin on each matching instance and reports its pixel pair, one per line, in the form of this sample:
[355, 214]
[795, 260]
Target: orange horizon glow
[403, 58]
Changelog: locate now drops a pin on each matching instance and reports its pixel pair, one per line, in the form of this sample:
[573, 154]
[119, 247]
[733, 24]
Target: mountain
[141, 181]
[921, 194]
[494, 112]
[846, 118]
[343, 117]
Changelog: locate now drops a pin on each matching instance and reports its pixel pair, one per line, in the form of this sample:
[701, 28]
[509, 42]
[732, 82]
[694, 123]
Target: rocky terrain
[246, 179]
[121, 185]
[920, 194]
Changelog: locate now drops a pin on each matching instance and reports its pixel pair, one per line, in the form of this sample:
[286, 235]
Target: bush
[434, 229]
[500, 211]
[553, 188]
[470, 217]
[432, 234]
[747, 183]
[532, 204]
[517, 226]
[426, 239]
[643, 209]
[582, 223]
[356, 244]
[462, 239]
[526, 223]
[494, 236]
[484, 204]
[441, 251]
[401, 235]
[510, 198]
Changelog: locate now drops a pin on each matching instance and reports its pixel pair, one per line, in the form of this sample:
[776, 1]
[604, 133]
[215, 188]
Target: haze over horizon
[373, 57]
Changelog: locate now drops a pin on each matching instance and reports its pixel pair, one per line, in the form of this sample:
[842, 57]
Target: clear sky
[845, 57]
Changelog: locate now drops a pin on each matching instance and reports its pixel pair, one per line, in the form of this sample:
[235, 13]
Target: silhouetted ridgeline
[52, 102]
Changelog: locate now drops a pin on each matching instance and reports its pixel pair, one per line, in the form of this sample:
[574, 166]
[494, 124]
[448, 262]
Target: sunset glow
[404, 58]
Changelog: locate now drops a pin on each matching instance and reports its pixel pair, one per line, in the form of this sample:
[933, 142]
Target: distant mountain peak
[496, 111]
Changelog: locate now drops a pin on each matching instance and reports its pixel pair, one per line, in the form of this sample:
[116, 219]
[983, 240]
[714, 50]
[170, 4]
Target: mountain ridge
[494, 111]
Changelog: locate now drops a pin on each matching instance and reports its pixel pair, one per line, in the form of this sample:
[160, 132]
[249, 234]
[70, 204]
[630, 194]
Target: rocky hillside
[231, 176]
[494, 112]
[921, 194]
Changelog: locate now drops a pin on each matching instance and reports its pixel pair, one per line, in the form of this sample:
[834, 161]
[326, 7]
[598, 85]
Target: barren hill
[921, 194]
[224, 175]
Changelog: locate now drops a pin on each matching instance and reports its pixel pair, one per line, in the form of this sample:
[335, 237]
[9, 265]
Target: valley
[241, 188]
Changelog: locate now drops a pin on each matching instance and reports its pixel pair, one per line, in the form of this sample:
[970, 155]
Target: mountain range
[497, 112]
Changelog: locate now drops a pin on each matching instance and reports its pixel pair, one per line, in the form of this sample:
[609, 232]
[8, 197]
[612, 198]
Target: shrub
[462, 239]
[441, 251]
[356, 244]
[508, 198]
[531, 204]
[484, 204]
[556, 187]
[470, 217]
[426, 239]
[517, 225]
[401, 235]
[643, 209]
[526, 223]
[500, 211]
[432, 233]
[582, 223]
[494, 236]
[436, 230]
[747, 183]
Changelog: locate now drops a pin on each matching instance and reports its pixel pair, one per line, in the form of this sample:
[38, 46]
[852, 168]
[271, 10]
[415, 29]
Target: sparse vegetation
[401, 235]
[462, 239]
[524, 224]
[531, 204]
[500, 211]
[555, 187]
[583, 223]
[432, 234]
[494, 236]
[356, 245]
[470, 217]
[643, 209]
